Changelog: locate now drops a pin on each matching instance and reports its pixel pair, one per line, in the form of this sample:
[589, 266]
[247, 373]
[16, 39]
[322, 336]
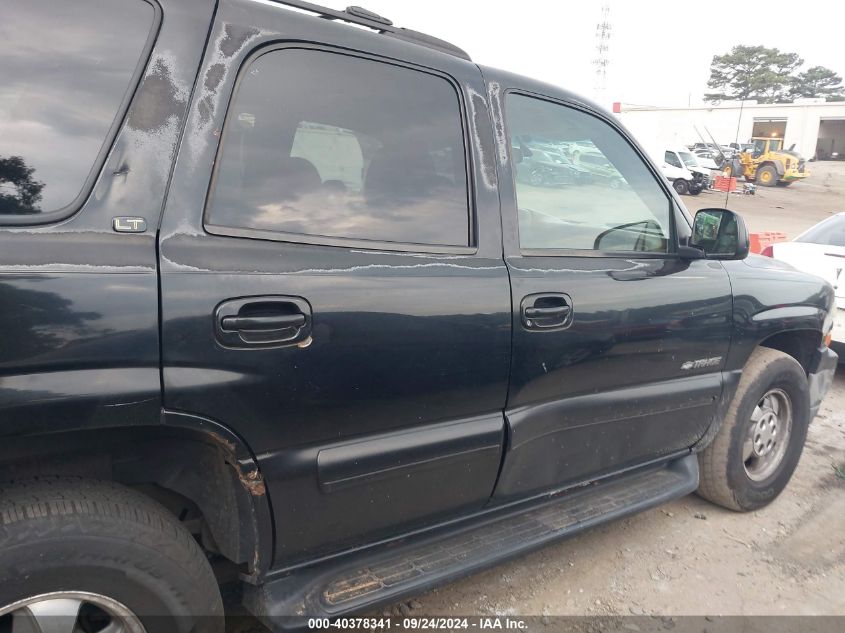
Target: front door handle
[552, 312]
[263, 322]
[546, 311]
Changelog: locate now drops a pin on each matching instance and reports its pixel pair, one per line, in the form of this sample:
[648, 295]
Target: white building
[815, 127]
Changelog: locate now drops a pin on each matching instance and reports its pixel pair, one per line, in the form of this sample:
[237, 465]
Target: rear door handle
[546, 311]
[263, 322]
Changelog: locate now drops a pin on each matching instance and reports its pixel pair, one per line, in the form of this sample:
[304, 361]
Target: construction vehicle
[767, 163]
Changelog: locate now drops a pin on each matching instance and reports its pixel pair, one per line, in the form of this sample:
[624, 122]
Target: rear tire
[76, 538]
[732, 477]
[681, 186]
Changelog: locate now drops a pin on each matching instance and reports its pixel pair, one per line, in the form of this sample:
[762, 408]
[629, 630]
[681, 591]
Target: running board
[414, 566]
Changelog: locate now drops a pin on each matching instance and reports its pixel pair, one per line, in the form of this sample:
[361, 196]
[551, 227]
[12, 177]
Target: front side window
[672, 159]
[65, 68]
[604, 198]
[689, 159]
[331, 146]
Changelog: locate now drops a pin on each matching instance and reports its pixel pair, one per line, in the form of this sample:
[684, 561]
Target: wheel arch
[188, 464]
[801, 344]
[776, 164]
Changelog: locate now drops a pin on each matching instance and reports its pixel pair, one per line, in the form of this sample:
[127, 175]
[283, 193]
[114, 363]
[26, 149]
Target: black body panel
[80, 301]
[400, 341]
[608, 388]
[771, 297]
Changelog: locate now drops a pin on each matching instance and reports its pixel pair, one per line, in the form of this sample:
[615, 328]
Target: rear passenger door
[331, 289]
[618, 342]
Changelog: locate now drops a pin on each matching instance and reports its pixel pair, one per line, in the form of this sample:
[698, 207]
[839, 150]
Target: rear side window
[321, 145]
[65, 70]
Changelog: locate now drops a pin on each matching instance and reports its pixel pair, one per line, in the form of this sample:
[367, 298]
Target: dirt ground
[791, 209]
[690, 557]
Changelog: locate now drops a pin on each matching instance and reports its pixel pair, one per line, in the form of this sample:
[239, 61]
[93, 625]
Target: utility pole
[601, 60]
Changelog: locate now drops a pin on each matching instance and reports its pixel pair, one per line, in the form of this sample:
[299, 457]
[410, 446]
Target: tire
[681, 186]
[535, 178]
[99, 539]
[767, 176]
[783, 183]
[726, 478]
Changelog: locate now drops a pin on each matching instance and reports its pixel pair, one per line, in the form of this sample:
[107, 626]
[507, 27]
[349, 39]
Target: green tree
[752, 72]
[19, 191]
[819, 81]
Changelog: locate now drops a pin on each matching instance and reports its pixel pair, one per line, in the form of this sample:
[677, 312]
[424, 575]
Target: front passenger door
[618, 343]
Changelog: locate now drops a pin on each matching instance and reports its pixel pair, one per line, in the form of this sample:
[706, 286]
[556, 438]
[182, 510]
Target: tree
[819, 81]
[19, 192]
[752, 72]
[781, 80]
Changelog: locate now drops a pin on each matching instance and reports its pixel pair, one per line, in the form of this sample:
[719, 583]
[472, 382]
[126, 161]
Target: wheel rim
[766, 176]
[69, 612]
[767, 436]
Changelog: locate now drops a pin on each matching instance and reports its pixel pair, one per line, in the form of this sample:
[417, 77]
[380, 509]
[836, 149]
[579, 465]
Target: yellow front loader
[768, 164]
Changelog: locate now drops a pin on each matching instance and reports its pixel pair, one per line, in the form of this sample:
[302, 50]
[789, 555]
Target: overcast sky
[660, 50]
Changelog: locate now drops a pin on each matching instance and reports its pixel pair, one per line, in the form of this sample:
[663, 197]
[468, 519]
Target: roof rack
[363, 17]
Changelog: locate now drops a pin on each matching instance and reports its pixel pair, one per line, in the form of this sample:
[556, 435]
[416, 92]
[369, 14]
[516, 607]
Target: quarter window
[65, 68]
[327, 145]
[600, 197]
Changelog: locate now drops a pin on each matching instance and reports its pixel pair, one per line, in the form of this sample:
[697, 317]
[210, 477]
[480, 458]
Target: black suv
[277, 314]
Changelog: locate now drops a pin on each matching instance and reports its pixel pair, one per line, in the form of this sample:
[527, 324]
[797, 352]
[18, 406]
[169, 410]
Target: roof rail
[363, 17]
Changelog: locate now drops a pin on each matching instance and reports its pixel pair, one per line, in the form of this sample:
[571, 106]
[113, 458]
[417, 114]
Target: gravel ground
[690, 557]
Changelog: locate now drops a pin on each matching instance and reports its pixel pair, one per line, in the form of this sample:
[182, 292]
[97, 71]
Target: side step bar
[413, 566]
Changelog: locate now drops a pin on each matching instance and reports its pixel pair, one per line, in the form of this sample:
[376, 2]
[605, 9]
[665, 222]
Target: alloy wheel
[69, 612]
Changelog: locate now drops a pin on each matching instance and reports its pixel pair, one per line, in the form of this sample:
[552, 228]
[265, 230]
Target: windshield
[829, 232]
[689, 159]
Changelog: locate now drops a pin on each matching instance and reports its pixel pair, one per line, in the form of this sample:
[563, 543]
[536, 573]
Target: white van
[682, 169]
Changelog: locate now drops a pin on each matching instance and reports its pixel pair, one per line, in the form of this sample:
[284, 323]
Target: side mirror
[720, 233]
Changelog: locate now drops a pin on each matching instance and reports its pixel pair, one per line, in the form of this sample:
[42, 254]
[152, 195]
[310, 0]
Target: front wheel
[756, 450]
[681, 186]
[767, 176]
[79, 555]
